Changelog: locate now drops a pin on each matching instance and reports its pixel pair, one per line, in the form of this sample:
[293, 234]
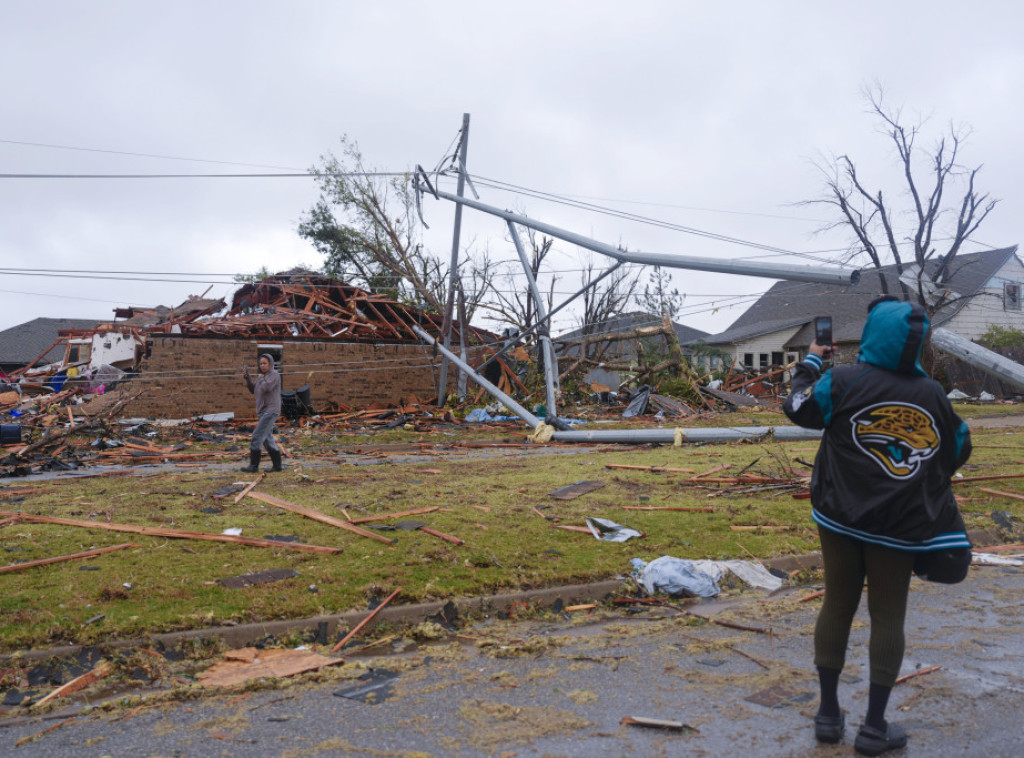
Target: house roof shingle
[24, 342]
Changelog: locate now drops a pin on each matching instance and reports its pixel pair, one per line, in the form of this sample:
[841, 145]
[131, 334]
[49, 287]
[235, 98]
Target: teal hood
[893, 337]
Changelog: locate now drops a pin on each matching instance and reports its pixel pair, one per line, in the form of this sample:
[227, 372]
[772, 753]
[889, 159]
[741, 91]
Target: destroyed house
[611, 348]
[352, 348]
[38, 342]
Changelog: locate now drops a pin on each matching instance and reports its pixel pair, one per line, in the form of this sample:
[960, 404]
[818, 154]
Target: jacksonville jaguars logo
[900, 437]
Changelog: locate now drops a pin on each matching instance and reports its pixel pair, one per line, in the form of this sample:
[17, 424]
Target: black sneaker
[871, 741]
[829, 728]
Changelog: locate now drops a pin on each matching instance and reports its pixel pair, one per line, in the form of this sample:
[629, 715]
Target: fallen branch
[919, 672]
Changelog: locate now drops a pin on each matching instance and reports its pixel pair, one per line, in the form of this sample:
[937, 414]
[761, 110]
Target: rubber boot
[275, 458]
[254, 462]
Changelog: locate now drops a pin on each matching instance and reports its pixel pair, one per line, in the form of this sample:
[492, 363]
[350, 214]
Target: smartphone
[823, 330]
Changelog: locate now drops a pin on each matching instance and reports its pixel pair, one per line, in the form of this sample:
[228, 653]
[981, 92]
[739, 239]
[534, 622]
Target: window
[1011, 296]
[762, 360]
[777, 359]
[748, 360]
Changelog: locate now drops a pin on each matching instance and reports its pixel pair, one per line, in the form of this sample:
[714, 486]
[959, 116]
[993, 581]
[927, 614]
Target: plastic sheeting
[609, 531]
[680, 577]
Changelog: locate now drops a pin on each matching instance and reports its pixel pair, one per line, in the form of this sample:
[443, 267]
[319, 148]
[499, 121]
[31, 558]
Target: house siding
[764, 344]
[987, 307]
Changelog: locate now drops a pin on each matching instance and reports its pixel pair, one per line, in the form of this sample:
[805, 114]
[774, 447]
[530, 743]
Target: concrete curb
[243, 635]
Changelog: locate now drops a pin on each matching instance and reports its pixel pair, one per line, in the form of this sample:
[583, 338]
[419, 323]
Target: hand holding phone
[823, 334]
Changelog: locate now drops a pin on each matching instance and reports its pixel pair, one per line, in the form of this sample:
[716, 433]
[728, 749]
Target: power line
[139, 155]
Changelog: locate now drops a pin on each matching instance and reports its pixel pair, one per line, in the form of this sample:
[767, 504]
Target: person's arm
[248, 379]
[803, 406]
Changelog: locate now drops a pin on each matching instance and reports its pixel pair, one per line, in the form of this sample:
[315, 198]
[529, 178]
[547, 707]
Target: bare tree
[372, 243]
[601, 303]
[930, 225]
[513, 304]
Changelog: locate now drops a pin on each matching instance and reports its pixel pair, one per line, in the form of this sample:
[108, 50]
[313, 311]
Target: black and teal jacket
[892, 441]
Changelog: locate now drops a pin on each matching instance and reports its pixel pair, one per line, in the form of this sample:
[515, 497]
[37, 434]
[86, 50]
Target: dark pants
[847, 563]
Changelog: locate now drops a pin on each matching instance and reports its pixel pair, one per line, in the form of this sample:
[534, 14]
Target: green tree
[659, 296]
[365, 225]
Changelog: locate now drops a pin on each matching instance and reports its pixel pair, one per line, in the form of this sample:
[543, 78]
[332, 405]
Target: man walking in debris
[267, 389]
[882, 500]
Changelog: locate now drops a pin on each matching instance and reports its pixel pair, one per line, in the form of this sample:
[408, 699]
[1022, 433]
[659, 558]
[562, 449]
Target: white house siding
[989, 306]
[765, 344]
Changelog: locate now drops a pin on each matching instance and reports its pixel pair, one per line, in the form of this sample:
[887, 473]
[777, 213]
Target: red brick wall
[186, 377]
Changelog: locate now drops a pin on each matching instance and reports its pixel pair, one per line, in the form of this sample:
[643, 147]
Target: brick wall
[185, 377]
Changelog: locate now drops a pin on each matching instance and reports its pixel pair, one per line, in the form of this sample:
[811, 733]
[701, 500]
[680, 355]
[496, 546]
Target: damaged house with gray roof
[977, 291]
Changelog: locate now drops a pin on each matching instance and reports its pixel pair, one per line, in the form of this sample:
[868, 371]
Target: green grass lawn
[488, 499]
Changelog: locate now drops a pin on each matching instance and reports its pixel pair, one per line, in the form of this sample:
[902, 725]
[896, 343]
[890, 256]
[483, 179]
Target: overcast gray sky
[705, 115]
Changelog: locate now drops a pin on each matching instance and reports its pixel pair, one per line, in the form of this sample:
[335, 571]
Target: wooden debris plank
[365, 621]
[701, 509]
[247, 664]
[248, 488]
[316, 516]
[713, 470]
[969, 479]
[153, 531]
[651, 469]
[1002, 493]
[394, 515]
[78, 683]
[442, 535]
[59, 558]
[571, 528]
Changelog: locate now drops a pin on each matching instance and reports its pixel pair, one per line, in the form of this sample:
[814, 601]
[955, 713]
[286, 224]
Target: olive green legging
[847, 562]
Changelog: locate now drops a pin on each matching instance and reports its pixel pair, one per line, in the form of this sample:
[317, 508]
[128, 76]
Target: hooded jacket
[892, 441]
[267, 389]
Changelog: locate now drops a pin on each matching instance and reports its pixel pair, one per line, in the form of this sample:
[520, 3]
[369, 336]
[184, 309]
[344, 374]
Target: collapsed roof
[303, 304]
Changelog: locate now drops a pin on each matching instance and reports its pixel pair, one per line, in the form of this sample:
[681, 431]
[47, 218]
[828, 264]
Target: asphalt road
[561, 687]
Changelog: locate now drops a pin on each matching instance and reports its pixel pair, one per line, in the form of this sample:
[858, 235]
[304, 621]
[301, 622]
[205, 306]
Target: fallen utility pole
[979, 357]
[787, 271]
[631, 436]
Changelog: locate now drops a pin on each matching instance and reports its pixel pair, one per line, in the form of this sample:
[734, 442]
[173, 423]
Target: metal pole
[787, 271]
[550, 366]
[547, 321]
[453, 271]
[668, 436]
[512, 405]
[979, 357]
